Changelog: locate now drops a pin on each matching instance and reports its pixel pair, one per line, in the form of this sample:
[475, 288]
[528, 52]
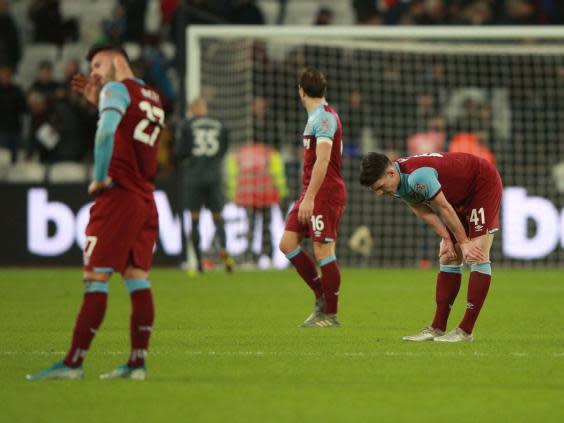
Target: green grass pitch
[228, 349]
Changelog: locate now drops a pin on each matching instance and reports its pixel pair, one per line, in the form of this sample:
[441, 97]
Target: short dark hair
[97, 48]
[372, 167]
[313, 82]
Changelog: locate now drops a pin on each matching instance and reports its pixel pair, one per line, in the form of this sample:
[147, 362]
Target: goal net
[497, 92]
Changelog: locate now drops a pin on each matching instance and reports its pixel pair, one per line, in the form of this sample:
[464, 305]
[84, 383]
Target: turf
[227, 348]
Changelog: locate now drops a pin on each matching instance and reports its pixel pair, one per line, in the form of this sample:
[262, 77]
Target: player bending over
[465, 191]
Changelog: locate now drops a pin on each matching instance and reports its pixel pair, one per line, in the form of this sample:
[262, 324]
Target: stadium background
[394, 94]
[227, 347]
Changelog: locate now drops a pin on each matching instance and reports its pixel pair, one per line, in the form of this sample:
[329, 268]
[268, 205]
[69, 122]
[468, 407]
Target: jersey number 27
[155, 116]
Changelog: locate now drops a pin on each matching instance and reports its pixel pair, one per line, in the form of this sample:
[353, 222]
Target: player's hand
[472, 252]
[97, 187]
[306, 210]
[89, 88]
[447, 250]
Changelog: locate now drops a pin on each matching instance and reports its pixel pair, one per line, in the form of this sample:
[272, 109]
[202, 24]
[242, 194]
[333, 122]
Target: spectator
[157, 66]
[477, 13]
[324, 16]
[42, 137]
[12, 108]
[433, 13]
[470, 143]
[168, 9]
[86, 114]
[135, 11]
[520, 12]
[10, 49]
[57, 127]
[70, 68]
[66, 122]
[245, 12]
[44, 82]
[356, 116]
[367, 12]
[432, 140]
[48, 23]
[265, 128]
[113, 28]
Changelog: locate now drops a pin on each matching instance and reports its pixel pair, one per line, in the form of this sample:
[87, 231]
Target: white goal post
[405, 90]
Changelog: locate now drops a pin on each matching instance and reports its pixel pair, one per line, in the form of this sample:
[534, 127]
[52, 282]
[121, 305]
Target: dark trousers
[10, 140]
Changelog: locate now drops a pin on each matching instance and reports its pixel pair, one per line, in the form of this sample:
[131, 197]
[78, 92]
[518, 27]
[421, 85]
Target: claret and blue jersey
[420, 186]
[324, 122]
[459, 176]
[470, 184]
[131, 118]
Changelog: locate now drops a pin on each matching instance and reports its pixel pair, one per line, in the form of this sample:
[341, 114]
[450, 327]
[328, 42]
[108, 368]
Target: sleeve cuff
[435, 194]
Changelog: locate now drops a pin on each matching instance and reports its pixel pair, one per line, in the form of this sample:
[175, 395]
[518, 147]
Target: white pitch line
[352, 354]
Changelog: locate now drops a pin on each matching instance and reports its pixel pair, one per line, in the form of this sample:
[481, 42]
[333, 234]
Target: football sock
[480, 278]
[305, 267]
[195, 235]
[141, 322]
[330, 281]
[448, 285]
[266, 234]
[220, 231]
[88, 321]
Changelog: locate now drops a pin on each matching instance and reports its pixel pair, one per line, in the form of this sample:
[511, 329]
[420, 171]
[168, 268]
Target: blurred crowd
[41, 120]
[459, 12]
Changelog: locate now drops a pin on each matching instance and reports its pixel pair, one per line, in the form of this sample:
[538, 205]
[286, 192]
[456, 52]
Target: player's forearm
[317, 176]
[103, 149]
[427, 215]
[104, 143]
[453, 223]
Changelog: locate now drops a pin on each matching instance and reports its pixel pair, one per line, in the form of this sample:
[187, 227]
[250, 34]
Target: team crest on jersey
[107, 93]
[420, 187]
[324, 124]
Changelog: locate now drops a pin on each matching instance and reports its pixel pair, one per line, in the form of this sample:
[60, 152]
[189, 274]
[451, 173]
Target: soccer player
[318, 211]
[201, 144]
[122, 229]
[465, 192]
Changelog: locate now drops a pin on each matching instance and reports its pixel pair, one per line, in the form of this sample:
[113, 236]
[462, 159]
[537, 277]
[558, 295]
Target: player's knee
[322, 251]
[89, 275]
[284, 246]
[135, 273]
[450, 262]
[288, 246]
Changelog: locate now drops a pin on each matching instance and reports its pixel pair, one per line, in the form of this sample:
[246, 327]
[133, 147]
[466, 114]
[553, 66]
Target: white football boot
[427, 334]
[455, 335]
